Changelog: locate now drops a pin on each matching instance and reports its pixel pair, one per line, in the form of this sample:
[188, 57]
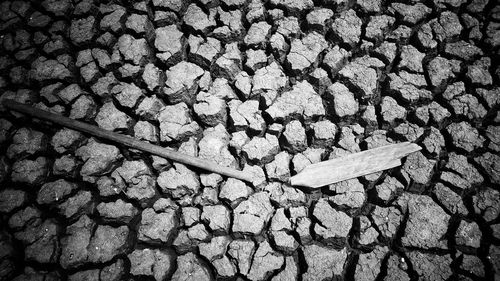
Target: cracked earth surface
[267, 86]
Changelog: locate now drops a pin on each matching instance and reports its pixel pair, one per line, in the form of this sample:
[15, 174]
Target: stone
[284, 195]
[465, 136]
[179, 181]
[333, 223]
[463, 50]
[134, 50]
[149, 108]
[441, 70]
[176, 123]
[157, 227]
[430, 266]
[387, 220]
[261, 149]
[11, 199]
[463, 174]
[478, 72]
[218, 218]
[379, 26]
[308, 157]
[387, 51]
[411, 59]
[135, 179]
[427, 223]
[31, 172]
[344, 103]
[64, 140]
[490, 164]
[295, 137]
[304, 53]
[411, 14]
[434, 142]
[408, 86]
[473, 264]
[98, 157]
[362, 76]
[202, 51]
[324, 133]
[486, 203]
[210, 109]
[74, 250]
[369, 264]
[216, 248]
[170, 43]
[242, 251]
[191, 267]
[146, 131]
[391, 111]
[288, 26]
[396, 269]
[82, 30]
[110, 118]
[267, 81]
[225, 267]
[197, 19]
[107, 242]
[348, 27]
[323, 263]
[127, 94]
[452, 201]
[152, 76]
[257, 34]
[81, 203]
[148, 262]
[409, 131]
[265, 261]
[279, 169]
[349, 193]
[251, 215]
[48, 69]
[118, 211]
[229, 64]
[317, 18]
[301, 100]
[419, 168]
[26, 142]
[290, 272]
[181, 82]
[83, 108]
[255, 59]
[65, 166]
[246, 115]
[213, 146]
[468, 235]
[335, 59]
[233, 190]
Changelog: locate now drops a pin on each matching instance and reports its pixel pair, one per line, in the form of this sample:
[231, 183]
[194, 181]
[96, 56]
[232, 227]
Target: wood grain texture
[353, 165]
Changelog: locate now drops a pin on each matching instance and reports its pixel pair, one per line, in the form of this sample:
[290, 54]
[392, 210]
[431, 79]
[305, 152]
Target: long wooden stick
[128, 141]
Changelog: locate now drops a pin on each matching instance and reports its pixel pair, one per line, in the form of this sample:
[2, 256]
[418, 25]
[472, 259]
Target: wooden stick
[353, 165]
[128, 141]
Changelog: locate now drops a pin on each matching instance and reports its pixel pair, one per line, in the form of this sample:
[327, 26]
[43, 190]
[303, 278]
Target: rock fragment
[430, 266]
[107, 242]
[199, 20]
[349, 193]
[251, 215]
[348, 27]
[218, 218]
[30, 171]
[343, 100]
[450, 200]
[176, 123]
[387, 220]
[246, 115]
[133, 50]
[110, 118]
[261, 149]
[490, 163]
[265, 261]
[242, 251]
[323, 263]
[419, 168]
[181, 82]
[304, 53]
[170, 43]
[465, 136]
[333, 223]
[11, 199]
[148, 262]
[427, 223]
[157, 227]
[118, 211]
[369, 264]
[468, 234]
[191, 267]
[486, 203]
[295, 137]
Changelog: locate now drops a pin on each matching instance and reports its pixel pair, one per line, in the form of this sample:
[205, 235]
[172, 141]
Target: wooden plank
[353, 165]
[128, 141]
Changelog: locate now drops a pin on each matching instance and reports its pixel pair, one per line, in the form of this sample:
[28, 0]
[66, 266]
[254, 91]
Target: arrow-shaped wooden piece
[353, 165]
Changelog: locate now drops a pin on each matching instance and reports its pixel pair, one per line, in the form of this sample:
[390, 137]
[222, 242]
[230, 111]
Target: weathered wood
[353, 165]
[128, 141]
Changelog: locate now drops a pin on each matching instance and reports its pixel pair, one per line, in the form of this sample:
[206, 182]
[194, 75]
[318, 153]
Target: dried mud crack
[268, 86]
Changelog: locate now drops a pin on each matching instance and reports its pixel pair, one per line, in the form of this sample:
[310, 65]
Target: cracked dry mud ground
[269, 86]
